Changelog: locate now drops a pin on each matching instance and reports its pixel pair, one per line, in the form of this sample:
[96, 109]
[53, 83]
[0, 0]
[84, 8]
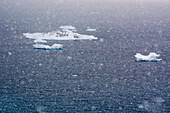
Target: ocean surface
[88, 76]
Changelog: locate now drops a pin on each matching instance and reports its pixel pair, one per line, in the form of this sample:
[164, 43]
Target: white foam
[47, 47]
[64, 34]
[152, 57]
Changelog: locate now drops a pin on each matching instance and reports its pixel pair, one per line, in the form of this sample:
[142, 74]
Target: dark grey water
[89, 76]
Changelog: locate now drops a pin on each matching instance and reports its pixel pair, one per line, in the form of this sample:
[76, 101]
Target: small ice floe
[152, 57]
[66, 33]
[90, 30]
[39, 41]
[47, 47]
[68, 27]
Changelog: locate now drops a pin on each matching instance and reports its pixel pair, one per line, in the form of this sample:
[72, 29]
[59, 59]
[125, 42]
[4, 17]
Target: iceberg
[65, 34]
[47, 47]
[152, 57]
[40, 41]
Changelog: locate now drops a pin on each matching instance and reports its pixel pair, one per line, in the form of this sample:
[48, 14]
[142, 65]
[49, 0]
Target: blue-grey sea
[89, 75]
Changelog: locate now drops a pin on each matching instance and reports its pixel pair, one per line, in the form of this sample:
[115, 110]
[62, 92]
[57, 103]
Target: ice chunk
[152, 57]
[57, 46]
[90, 30]
[40, 41]
[65, 34]
[68, 27]
[47, 47]
[36, 36]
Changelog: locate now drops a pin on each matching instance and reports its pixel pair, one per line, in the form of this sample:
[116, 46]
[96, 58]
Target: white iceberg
[47, 47]
[152, 57]
[64, 34]
[90, 30]
[40, 41]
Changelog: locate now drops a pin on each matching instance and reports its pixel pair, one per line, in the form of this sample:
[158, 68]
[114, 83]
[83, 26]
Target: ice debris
[152, 57]
[40, 41]
[47, 47]
[65, 33]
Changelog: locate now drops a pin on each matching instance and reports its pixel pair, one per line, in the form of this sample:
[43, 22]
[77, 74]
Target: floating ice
[90, 30]
[47, 47]
[40, 41]
[65, 34]
[68, 27]
[152, 57]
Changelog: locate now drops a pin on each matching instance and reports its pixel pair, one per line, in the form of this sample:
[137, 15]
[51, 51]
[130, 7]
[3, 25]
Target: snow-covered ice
[152, 57]
[47, 47]
[65, 34]
[40, 41]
